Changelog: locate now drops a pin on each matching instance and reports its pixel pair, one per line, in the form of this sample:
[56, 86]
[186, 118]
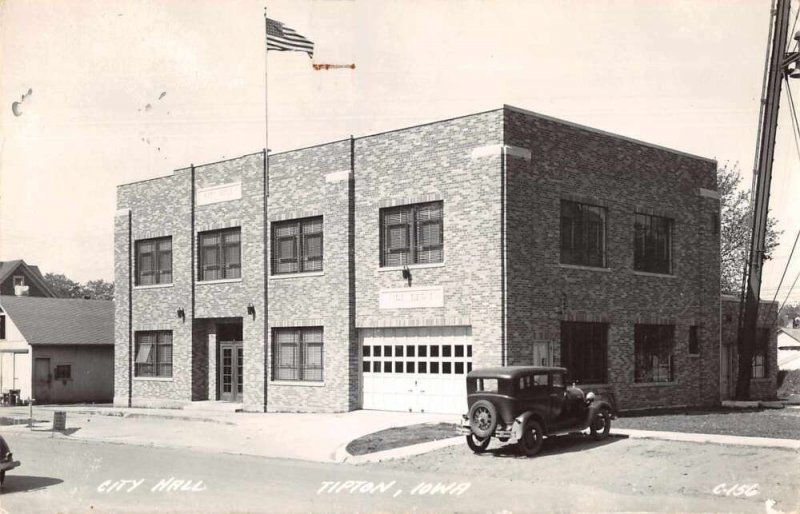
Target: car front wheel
[476, 444]
[532, 438]
[601, 425]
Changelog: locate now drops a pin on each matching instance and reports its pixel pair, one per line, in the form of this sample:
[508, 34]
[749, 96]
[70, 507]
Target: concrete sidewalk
[313, 437]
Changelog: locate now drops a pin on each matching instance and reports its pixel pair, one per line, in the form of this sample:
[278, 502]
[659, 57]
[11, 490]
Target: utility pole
[781, 64]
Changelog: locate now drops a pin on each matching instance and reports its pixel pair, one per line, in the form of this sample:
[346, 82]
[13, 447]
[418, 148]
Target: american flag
[282, 38]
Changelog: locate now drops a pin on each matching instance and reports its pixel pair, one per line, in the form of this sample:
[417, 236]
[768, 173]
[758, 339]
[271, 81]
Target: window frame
[414, 247]
[581, 228]
[647, 245]
[61, 367]
[300, 369]
[694, 340]
[157, 273]
[663, 338]
[226, 270]
[21, 280]
[760, 367]
[161, 339]
[302, 233]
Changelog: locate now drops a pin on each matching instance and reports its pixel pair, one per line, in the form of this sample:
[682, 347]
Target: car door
[558, 392]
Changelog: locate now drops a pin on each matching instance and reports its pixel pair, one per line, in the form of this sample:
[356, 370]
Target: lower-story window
[63, 372]
[297, 354]
[653, 346]
[760, 354]
[583, 351]
[154, 353]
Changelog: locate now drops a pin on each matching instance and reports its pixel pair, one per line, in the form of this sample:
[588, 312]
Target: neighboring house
[764, 374]
[376, 272]
[20, 279]
[789, 348]
[57, 350]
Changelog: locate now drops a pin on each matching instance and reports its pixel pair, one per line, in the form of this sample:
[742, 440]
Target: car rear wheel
[476, 444]
[601, 425]
[483, 418]
[532, 438]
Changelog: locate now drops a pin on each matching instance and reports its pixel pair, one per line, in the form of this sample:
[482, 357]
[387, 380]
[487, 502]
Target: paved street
[572, 474]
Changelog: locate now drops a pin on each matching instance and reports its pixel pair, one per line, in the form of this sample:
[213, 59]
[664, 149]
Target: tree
[64, 287]
[99, 289]
[736, 225]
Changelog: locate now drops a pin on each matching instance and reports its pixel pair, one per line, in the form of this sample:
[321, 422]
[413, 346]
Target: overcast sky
[123, 91]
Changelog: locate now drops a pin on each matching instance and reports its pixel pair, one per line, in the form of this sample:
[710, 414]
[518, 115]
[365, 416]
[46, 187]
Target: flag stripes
[284, 39]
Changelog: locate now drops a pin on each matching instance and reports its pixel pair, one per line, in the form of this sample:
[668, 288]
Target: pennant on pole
[284, 39]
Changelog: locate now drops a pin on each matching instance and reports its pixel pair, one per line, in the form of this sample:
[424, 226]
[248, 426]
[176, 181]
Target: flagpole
[266, 86]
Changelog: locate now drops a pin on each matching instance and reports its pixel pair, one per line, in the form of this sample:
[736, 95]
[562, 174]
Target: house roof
[9, 267]
[794, 333]
[61, 321]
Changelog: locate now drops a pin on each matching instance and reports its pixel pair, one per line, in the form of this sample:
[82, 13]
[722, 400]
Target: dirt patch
[398, 437]
[778, 423]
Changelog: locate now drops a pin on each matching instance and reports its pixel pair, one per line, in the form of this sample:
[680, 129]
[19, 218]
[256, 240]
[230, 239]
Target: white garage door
[419, 369]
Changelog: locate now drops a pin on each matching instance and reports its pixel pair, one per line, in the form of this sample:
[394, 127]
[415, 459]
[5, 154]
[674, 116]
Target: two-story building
[375, 272]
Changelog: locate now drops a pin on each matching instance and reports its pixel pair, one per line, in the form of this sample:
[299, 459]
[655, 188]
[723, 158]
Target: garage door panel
[418, 369]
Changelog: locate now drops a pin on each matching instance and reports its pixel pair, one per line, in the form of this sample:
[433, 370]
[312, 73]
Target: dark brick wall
[573, 163]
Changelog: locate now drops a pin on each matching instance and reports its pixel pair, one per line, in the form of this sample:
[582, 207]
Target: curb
[343, 456]
[732, 440]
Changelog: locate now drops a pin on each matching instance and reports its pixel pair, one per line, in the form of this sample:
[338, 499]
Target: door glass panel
[227, 370]
[239, 369]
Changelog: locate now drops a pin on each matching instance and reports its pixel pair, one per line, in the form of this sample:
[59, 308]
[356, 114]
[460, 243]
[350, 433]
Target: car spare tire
[483, 418]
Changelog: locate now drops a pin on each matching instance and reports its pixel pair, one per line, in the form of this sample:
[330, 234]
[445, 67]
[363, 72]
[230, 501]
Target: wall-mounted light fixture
[407, 274]
[251, 310]
[181, 314]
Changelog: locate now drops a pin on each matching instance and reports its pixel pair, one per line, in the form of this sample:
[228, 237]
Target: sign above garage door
[417, 369]
[411, 297]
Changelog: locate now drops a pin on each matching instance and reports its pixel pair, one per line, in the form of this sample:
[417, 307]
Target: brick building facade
[375, 272]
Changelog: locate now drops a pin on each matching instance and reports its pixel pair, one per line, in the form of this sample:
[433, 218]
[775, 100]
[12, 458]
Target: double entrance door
[231, 370]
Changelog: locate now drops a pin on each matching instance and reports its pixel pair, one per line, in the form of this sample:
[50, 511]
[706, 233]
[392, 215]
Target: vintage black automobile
[6, 460]
[523, 404]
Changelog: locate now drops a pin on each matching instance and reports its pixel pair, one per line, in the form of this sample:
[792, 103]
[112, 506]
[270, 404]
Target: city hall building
[375, 272]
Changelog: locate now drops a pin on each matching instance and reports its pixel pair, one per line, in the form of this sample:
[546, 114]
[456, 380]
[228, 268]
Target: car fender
[519, 422]
[593, 408]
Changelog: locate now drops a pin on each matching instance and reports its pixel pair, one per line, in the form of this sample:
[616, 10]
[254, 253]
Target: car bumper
[504, 432]
[5, 466]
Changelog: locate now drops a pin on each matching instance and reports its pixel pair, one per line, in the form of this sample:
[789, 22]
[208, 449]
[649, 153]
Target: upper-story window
[220, 254]
[2, 326]
[297, 246]
[19, 280]
[154, 261]
[583, 234]
[652, 244]
[412, 234]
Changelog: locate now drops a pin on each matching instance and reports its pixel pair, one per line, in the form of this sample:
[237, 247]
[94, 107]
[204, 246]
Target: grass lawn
[401, 436]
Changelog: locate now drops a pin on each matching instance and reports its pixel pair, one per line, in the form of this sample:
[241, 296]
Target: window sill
[586, 268]
[654, 384]
[283, 276]
[693, 355]
[412, 266]
[761, 380]
[649, 274]
[301, 383]
[153, 286]
[154, 379]
[221, 281]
